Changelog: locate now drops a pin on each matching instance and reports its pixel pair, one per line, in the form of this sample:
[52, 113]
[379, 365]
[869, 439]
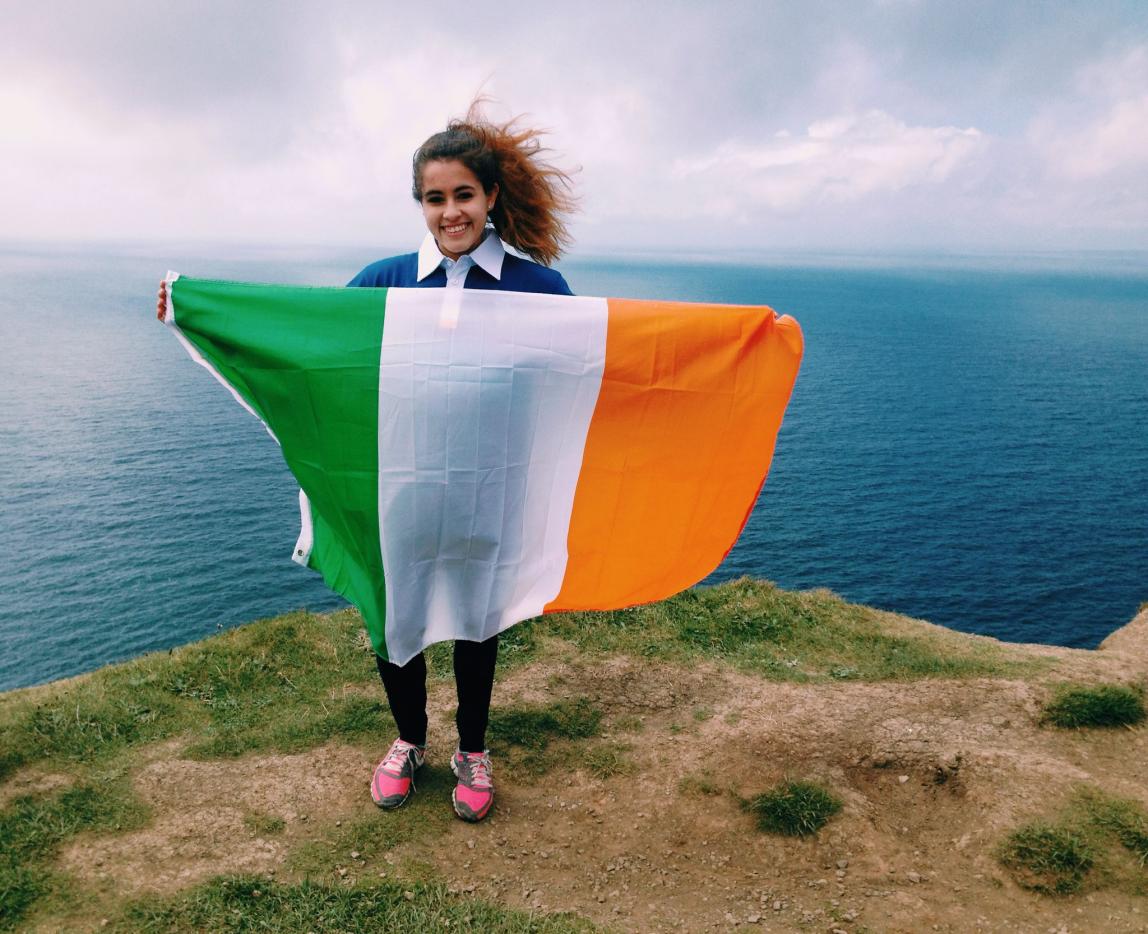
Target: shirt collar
[489, 254]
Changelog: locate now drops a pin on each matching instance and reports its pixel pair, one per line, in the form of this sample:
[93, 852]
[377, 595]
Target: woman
[479, 185]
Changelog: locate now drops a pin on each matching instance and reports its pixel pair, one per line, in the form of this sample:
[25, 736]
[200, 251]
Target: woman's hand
[161, 300]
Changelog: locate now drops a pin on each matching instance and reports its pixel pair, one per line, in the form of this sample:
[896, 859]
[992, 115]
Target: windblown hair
[533, 195]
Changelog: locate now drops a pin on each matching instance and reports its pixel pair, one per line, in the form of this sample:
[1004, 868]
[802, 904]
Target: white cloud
[1103, 128]
[844, 158]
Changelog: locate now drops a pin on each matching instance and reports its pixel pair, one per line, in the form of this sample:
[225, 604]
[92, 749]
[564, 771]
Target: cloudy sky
[866, 124]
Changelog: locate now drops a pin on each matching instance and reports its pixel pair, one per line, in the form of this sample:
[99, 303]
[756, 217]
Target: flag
[468, 459]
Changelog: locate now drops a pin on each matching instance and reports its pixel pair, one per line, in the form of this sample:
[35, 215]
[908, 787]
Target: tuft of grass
[608, 760]
[1096, 837]
[1121, 818]
[249, 903]
[1047, 858]
[264, 825]
[34, 827]
[794, 808]
[785, 636]
[699, 785]
[1102, 705]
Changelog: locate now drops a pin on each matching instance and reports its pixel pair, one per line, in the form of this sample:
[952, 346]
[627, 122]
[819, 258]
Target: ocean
[967, 443]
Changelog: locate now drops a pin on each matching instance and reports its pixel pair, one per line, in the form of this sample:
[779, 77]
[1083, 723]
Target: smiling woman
[482, 187]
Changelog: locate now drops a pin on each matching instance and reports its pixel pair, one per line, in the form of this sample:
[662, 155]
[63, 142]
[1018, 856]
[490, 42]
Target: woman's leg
[474, 676]
[406, 688]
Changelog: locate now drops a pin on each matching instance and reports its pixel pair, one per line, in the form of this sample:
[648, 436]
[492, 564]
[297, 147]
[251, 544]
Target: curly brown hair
[533, 195]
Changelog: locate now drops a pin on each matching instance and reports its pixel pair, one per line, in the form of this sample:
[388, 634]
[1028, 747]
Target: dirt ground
[932, 773]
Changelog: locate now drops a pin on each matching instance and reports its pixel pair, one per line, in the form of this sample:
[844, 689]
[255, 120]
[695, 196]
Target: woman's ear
[491, 197]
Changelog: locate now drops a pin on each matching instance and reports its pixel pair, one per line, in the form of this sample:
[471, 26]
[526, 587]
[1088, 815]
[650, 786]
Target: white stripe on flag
[476, 488]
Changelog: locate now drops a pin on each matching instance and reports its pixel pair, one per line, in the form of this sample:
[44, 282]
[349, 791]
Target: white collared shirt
[488, 255]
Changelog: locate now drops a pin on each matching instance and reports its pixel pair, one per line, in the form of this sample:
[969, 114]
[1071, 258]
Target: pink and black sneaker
[474, 793]
[394, 778]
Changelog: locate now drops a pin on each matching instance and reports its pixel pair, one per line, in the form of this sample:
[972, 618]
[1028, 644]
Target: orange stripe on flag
[679, 445]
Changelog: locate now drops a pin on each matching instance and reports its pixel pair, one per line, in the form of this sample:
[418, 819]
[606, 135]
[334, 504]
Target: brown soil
[932, 773]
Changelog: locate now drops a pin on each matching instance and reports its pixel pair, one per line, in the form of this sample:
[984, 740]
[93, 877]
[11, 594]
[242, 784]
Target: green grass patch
[276, 684]
[33, 828]
[1096, 839]
[245, 903]
[785, 636]
[1120, 818]
[524, 734]
[794, 808]
[1102, 705]
[1047, 858]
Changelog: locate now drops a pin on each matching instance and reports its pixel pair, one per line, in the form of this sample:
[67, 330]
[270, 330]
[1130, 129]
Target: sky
[737, 126]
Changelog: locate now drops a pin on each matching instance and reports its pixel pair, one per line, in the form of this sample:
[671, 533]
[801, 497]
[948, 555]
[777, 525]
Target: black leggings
[406, 688]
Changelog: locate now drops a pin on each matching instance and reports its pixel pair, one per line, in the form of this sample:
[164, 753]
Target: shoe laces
[396, 756]
[478, 769]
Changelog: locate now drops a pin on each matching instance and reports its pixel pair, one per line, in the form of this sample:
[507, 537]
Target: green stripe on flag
[307, 361]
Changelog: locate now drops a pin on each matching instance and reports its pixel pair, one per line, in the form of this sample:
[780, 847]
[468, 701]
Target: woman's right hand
[161, 300]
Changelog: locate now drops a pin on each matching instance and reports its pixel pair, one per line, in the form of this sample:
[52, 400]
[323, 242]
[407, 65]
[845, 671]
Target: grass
[264, 825]
[246, 903]
[807, 636]
[291, 683]
[34, 827]
[277, 684]
[1047, 858]
[794, 808]
[524, 734]
[1103, 705]
[1097, 838]
[295, 681]
[1121, 818]
[608, 759]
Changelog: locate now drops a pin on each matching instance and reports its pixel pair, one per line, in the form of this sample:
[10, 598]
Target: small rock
[338, 823]
[842, 864]
[902, 778]
[409, 896]
[752, 919]
[777, 905]
[341, 870]
[913, 877]
[354, 854]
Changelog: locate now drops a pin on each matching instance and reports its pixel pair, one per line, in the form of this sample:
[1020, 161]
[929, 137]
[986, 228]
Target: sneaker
[474, 793]
[394, 778]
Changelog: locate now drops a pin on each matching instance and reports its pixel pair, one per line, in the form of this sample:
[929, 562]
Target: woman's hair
[533, 195]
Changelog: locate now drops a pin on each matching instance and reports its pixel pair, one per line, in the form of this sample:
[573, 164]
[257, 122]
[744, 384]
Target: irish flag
[468, 459]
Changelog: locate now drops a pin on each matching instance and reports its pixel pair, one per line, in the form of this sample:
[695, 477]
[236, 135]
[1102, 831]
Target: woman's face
[454, 206]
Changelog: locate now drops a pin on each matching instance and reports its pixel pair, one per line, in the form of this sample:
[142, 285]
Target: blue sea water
[967, 443]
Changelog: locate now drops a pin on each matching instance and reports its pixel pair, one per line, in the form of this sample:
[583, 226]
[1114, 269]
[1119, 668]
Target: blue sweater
[518, 275]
